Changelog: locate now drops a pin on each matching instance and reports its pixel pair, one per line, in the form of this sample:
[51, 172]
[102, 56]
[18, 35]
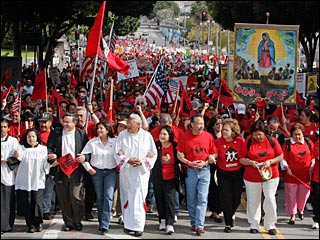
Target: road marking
[52, 232]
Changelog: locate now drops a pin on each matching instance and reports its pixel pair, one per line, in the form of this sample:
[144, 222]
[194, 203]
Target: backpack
[269, 138]
[287, 141]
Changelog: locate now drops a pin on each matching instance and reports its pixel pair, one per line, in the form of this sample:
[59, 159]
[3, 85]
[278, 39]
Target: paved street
[52, 228]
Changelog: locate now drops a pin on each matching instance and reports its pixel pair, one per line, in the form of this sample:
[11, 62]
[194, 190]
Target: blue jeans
[197, 187]
[48, 193]
[104, 182]
[176, 203]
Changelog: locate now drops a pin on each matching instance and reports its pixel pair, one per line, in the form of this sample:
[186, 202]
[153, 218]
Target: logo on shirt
[166, 159]
[302, 153]
[231, 154]
[262, 154]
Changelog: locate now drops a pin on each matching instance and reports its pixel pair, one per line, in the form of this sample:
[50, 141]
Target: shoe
[88, 217]
[128, 231]
[137, 233]
[309, 207]
[315, 225]
[272, 232]
[120, 220]
[31, 229]
[46, 216]
[104, 231]
[162, 226]
[227, 229]
[253, 230]
[175, 218]
[301, 216]
[39, 228]
[67, 228]
[193, 228]
[78, 226]
[199, 231]
[291, 222]
[169, 229]
[216, 217]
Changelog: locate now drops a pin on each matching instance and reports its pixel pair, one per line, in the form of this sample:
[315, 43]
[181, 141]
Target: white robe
[134, 180]
[32, 170]
[7, 149]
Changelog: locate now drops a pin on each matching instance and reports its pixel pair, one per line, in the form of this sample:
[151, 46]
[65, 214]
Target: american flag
[87, 69]
[158, 86]
[16, 104]
[112, 39]
[172, 91]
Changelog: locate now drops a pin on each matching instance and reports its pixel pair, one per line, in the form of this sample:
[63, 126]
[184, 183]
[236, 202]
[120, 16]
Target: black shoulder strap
[287, 141]
[249, 143]
[270, 140]
[308, 142]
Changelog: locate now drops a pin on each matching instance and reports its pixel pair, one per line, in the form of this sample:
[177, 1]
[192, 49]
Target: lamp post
[208, 32]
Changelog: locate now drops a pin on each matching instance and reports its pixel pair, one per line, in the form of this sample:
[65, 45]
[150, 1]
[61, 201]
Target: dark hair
[24, 141]
[170, 132]
[212, 121]
[258, 126]
[273, 119]
[6, 121]
[25, 116]
[296, 127]
[107, 126]
[74, 117]
[192, 119]
[312, 115]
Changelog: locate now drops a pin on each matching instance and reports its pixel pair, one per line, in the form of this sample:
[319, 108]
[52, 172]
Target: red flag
[5, 93]
[185, 107]
[57, 96]
[278, 112]
[40, 87]
[73, 81]
[191, 81]
[118, 64]
[94, 37]
[108, 107]
[68, 164]
[16, 104]
[7, 76]
[225, 93]
[261, 103]
[299, 100]
[204, 97]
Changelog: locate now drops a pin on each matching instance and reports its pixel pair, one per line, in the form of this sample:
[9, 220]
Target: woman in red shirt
[258, 156]
[229, 170]
[165, 178]
[297, 176]
[315, 183]
[310, 121]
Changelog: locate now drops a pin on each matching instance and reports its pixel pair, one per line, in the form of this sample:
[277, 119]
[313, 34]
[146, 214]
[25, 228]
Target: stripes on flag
[112, 38]
[172, 91]
[16, 104]
[87, 69]
[158, 86]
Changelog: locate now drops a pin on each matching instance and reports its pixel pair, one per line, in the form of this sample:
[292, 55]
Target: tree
[302, 13]
[170, 9]
[48, 21]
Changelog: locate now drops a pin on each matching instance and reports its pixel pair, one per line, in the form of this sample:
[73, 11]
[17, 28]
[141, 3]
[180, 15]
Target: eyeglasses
[82, 91]
[140, 103]
[218, 123]
[30, 120]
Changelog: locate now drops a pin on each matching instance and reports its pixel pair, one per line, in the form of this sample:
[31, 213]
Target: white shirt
[32, 169]
[101, 155]
[68, 143]
[7, 149]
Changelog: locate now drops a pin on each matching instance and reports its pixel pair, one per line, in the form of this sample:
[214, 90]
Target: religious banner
[265, 63]
[68, 164]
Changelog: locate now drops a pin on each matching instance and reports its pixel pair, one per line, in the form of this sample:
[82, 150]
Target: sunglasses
[219, 123]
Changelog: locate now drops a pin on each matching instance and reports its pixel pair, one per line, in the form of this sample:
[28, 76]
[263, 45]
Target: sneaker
[315, 225]
[162, 226]
[175, 218]
[199, 231]
[169, 229]
[309, 207]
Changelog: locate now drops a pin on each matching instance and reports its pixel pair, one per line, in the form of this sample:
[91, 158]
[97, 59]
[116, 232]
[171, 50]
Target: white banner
[133, 71]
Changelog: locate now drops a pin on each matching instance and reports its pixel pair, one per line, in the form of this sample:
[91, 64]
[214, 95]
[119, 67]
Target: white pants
[254, 193]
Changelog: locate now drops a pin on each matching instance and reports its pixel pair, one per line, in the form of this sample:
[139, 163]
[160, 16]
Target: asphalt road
[52, 228]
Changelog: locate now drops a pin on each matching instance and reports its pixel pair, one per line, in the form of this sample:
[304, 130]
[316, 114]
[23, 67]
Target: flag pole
[218, 96]
[20, 92]
[155, 71]
[176, 100]
[45, 82]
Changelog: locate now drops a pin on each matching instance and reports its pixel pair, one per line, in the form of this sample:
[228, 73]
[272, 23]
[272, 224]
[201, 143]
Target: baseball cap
[123, 122]
[45, 117]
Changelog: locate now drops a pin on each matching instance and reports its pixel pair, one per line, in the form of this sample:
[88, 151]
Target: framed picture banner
[265, 63]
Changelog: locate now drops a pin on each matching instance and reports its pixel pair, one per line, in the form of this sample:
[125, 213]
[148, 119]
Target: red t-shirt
[197, 147]
[228, 159]
[310, 131]
[299, 161]
[168, 169]
[91, 130]
[316, 166]
[260, 152]
[44, 137]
